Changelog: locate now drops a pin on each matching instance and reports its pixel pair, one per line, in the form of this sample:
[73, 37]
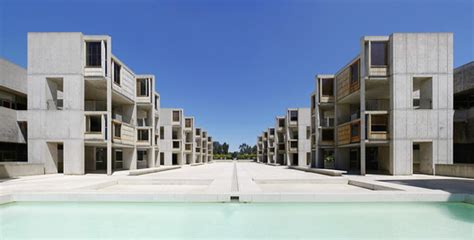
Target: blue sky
[250, 59]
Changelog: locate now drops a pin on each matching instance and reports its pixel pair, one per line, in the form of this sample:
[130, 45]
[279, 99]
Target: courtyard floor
[245, 181]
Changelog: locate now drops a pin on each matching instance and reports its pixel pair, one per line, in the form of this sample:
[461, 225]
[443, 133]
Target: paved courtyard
[248, 181]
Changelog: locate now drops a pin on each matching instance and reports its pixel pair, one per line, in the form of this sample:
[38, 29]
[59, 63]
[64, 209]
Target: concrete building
[88, 105]
[464, 113]
[391, 106]
[298, 135]
[271, 156]
[171, 142]
[322, 122]
[13, 118]
[280, 141]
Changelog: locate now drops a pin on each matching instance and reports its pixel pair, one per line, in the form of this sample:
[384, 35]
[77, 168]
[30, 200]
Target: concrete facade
[288, 142]
[13, 100]
[391, 107]
[464, 113]
[183, 143]
[87, 111]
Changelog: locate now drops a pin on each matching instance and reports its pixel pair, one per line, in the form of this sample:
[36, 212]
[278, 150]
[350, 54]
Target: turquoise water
[61, 220]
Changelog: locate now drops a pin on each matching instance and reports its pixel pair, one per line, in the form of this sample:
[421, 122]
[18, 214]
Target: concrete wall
[455, 170]
[464, 77]
[13, 76]
[9, 128]
[56, 55]
[16, 169]
[421, 55]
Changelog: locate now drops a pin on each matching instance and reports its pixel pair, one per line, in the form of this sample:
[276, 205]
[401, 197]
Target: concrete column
[362, 125]
[109, 126]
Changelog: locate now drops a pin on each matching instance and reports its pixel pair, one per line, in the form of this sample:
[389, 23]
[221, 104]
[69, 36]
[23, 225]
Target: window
[281, 122]
[119, 156]
[54, 94]
[294, 144]
[328, 87]
[272, 131]
[379, 123]
[355, 72]
[117, 130]
[174, 135]
[327, 135]
[93, 54]
[313, 101]
[293, 116]
[198, 131]
[142, 155]
[143, 87]
[422, 93]
[378, 53]
[175, 144]
[188, 123]
[175, 116]
[94, 124]
[117, 69]
[6, 103]
[142, 135]
[162, 133]
[157, 101]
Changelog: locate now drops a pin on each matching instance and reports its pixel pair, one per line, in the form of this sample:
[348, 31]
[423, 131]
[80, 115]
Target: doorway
[174, 159]
[56, 151]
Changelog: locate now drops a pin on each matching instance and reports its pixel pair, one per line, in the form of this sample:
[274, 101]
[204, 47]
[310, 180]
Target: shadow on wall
[448, 185]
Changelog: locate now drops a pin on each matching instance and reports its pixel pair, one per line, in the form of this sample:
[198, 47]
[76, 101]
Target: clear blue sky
[249, 59]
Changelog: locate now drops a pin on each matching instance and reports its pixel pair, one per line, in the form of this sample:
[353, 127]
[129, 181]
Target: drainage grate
[234, 198]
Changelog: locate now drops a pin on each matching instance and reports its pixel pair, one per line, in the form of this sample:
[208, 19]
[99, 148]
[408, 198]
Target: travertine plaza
[387, 114]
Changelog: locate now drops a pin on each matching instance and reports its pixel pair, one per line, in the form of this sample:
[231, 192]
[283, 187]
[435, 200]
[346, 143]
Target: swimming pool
[80, 220]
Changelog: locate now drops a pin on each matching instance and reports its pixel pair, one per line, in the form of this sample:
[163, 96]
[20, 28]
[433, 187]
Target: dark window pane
[378, 53]
[95, 124]
[355, 72]
[328, 87]
[175, 116]
[293, 116]
[117, 68]
[93, 54]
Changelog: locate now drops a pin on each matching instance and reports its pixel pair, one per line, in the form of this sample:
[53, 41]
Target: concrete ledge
[329, 172]
[372, 186]
[149, 181]
[116, 197]
[196, 164]
[388, 196]
[455, 170]
[146, 170]
[18, 169]
[302, 181]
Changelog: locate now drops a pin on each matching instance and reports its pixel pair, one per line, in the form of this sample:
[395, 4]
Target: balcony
[123, 133]
[188, 147]
[349, 132]
[143, 136]
[293, 145]
[96, 60]
[378, 123]
[176, 145]
[95, 126]
[326, 122]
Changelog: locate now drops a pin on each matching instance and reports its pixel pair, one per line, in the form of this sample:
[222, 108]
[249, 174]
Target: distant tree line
[221, 151]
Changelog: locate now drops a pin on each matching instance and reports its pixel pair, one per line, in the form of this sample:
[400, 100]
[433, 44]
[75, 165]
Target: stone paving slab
[251, 181]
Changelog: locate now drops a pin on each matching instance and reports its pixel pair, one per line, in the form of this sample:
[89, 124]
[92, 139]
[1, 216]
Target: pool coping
[384, 196]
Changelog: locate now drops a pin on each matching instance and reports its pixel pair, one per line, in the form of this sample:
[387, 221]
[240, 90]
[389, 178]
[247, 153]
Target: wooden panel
[343, 83]
[344, 134]
[355, 125]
